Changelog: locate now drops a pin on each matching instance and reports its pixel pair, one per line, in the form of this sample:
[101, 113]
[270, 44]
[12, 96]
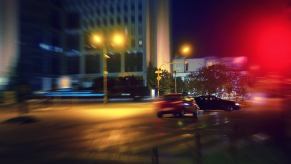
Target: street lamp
[117, 41]
[185, 51]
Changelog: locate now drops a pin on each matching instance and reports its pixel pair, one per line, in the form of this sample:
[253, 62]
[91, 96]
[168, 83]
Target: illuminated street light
[118, 40]
[96, 40]
[186, 50]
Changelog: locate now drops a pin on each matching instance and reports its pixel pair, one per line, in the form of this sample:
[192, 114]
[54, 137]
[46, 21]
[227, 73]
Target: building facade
[146, 24]
[184, 67]
[40, 43]
[48, 39]
[8, 39]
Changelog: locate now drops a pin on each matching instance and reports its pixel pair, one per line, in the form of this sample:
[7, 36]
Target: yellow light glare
[96, 39]
[118, 40]
[186, 50]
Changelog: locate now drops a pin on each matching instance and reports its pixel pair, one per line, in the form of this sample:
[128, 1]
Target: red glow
[271, 44]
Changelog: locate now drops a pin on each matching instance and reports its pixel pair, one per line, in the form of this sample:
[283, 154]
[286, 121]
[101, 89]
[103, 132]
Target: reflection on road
[131, 133]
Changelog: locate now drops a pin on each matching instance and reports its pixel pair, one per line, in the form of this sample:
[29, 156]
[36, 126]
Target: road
[131, 133]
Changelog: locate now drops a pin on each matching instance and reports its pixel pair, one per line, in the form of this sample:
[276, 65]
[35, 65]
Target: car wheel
[179, 114]
[160, 114]
[230, 108]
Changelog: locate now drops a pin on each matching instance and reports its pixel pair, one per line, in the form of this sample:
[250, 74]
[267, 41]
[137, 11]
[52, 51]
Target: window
[125, 19]
[55, 20]
[132, 7]
[85, 24]
[140, 18]
[92, 63]
[133, 62]
[92, 24]
[104, 10]
[56, 40]
[133, 19]
[118, 9]
[118, 20]
[73, 42]
[139, 5]
[186, 67]
[114, 64]
[133, 42]
[72, 64]
[140, 32]
[104, 21]
[98, 23]
[111, 10]
[73, 21]
[98, 11]
[112, 21]
[125, 8]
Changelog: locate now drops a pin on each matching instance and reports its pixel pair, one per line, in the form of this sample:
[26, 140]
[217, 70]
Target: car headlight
[237, 104]
[186, 104]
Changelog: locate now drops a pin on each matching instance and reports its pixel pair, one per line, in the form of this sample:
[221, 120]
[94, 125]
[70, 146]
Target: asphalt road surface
[131, 133]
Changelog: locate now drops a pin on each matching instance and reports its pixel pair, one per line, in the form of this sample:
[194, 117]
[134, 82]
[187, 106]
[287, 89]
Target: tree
[166, 82]
[151, 77]
[216, 79]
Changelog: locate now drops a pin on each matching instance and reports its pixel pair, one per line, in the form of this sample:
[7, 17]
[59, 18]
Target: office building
[146, 24]
[46, 40]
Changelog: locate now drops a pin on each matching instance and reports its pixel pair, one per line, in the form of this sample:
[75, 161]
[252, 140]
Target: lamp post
[186, 51]
[175, 72]
[117, 41]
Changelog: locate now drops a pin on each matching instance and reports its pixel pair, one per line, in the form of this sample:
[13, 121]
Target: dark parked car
[177, 105]
[212, 102]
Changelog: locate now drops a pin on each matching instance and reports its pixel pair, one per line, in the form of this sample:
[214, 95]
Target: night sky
[225, 27]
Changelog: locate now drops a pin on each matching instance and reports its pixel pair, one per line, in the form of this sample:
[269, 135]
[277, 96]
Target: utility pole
[175, 72]
[105, 76]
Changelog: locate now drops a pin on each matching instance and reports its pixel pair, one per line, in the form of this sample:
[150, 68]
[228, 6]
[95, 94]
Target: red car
[176, 105]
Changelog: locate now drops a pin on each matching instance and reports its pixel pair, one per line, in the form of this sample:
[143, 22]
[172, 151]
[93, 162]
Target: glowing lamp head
[118, 40]
[96, 39]
[186, 50]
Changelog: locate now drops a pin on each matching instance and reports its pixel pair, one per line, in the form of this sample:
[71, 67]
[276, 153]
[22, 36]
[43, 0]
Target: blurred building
[184, 67]
[8, 39]
[32, 46]
[47, 40]
[146, 24]
[40, 43]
